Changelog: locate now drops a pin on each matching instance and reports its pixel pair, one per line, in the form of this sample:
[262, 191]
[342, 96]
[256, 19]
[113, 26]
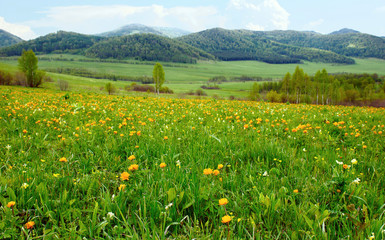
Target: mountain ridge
[8, 39]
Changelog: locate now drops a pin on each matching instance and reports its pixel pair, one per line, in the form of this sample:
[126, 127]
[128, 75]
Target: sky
[29, 19]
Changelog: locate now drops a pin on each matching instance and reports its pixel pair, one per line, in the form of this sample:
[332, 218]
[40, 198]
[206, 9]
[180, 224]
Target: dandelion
[226, 219]
[132, 157]
[29, 225]
[124, 176]
[11, 204]
[207, 171]
[220, 166]
[122, 187]
[162, 165]
[223, 201]
[63, 159]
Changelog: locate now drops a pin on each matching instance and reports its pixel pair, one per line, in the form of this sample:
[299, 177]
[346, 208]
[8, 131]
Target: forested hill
[345, 42]
[139, 28]
[8, 39]
[249, 45]
[148, 47]
[60, 42]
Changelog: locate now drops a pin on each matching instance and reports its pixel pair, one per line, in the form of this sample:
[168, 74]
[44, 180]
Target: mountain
[230, 45]
[60, 42]
[8, 39]
[149, 47]
[344, 31]
[346, 42]
[139, 28]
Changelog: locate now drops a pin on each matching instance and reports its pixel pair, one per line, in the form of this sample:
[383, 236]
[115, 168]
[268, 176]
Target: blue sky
[29, 19]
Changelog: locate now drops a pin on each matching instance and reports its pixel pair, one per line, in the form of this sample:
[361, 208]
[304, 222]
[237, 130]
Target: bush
[110, 88]
[63, 85]
[166, 90]
[20, 79]
[142, 88]
[273, 96]
[200, 92]
[5, 78]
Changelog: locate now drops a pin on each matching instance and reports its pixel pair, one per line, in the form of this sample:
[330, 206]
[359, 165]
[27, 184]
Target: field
[186, 77]
[79, 165]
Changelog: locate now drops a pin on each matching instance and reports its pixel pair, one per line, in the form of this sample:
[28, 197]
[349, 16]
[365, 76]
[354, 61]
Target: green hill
[231, 45]
[60, 42]
[8, 39]
[344, 42]
[148, 47]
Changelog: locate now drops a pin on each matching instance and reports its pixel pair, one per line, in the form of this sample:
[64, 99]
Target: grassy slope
[185, 77]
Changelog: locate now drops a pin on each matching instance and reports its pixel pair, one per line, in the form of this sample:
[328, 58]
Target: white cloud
[95, 19]
[255, 27]
[19, 30]
[279, 14]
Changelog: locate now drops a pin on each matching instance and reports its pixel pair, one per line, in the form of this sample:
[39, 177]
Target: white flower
[340, 163]
[356, 181]
[168, 206]
[25, 185]
[110, 215]
[304, 149]
[265, 174]
[8, 147]
[354, 161]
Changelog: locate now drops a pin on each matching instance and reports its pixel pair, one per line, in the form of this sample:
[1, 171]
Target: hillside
[60, 42]
[148, 47]
[231, 45]
[8, 39]
[139, 28]
[345, 42]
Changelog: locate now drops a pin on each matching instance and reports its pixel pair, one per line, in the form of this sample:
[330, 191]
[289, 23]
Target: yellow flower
[216, 172]
[63, 159]
[132, 157]
[133, 167]
[165, 138]
[56, 175]
[25, 131]
[29, 224]
[122, 187]
[162, 165]
[207, 171]
[295, 191]
[226, 219]
[124, 176]
[223, 201]
[220, 166]
[11, 204]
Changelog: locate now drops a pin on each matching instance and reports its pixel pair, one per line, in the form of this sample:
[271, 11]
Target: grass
[287, 171]
[186, 77]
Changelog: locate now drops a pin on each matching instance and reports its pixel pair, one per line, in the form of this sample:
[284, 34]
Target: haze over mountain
[140, 28]
[8, 39]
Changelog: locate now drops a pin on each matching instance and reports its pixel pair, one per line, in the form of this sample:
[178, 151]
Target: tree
[110, 88]
[28, 65]
[254, 93]
[158, 75]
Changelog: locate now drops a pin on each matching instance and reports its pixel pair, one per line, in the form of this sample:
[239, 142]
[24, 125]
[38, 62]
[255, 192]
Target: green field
[93, 166]
[185, 77]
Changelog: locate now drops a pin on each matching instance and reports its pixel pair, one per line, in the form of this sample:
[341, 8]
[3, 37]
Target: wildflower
[239, 219]
[124, 176]
[220, 166]
[132, 157]
[133, 167]
[223, 201]
[207, 171]
[165, 138]
[168, 206]
[29, 225]
[56, 175]
[364, 147]
[345, 166]
[25, 131]
[11, 204]
[356, 181]
[110, 215]
[63, 159]
[295, 191]
[265, 174]
[162, 165]
[354, 161]
[304, 149]
[122, 187]
[8, 147]
[216, 172]
[339, 163]
[25, 185]
[371, 237]
[226, 219]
